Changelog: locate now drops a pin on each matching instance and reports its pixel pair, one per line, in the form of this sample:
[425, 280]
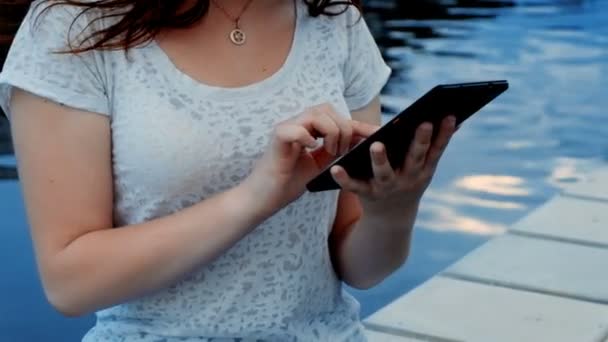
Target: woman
[165, 186]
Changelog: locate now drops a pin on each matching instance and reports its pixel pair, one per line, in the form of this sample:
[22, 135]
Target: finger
[355, 141]
[344, 125]
[322, 158]
[363, 129]
[384, 175]
[320, 123]
[347, 183]
[419, 148]
[287, 134]
[448, 127]
[346, 133]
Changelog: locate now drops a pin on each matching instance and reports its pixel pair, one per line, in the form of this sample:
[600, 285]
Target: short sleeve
[33, 64]
[365, 71]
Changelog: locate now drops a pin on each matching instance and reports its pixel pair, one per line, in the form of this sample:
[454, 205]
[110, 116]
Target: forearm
[110, 266]
[375, 246]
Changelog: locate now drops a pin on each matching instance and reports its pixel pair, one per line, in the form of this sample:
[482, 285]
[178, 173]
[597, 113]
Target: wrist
[389, 212]
[253, 201]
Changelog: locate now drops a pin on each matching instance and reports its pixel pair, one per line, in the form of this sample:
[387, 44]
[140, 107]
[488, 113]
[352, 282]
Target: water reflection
[5, 146]
[447, 218]
[474, 204]
[456, 199]
[494, 184]
[568, 170]
[7, 170]
[399, 25]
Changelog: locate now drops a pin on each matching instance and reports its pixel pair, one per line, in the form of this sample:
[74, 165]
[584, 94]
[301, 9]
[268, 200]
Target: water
[546, 130]
[8, 160]
[504, 162]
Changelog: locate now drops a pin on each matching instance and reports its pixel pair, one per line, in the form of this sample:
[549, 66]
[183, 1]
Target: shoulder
[331, 31]
[62, 20]
[342, 18]
[44, 14]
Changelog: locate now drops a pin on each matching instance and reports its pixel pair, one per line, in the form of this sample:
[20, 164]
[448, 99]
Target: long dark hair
[139, 21]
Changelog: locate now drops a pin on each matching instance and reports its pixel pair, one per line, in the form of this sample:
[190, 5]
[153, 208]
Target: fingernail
[377, 154]
[335, 171]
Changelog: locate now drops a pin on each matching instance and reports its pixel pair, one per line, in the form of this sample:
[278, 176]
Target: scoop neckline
[248, 90]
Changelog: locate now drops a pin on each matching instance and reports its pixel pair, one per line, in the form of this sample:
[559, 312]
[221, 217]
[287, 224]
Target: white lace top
[177, 141]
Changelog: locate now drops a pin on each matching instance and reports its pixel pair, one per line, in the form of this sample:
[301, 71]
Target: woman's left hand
[391, 191]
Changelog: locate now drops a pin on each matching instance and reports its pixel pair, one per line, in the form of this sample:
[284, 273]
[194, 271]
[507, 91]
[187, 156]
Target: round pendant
[237, 36]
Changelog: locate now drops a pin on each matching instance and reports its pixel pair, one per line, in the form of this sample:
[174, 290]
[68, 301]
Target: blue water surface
[547, 130]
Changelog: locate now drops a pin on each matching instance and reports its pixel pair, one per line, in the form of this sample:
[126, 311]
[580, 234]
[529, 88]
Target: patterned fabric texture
[177, 141]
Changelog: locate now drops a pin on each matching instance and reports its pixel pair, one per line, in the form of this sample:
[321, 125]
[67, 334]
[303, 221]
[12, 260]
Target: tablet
[461, 100]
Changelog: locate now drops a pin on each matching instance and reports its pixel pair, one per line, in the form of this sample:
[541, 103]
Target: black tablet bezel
[397, 133]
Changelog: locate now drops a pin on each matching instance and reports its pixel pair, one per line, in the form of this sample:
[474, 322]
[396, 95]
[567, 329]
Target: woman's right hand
[293, 158]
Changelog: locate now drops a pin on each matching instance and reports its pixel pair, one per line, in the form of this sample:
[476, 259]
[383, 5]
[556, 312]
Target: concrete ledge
[459, 310]
[593, 185]
[542, 266]
[374, 336]
[545, 280]
[578, 220]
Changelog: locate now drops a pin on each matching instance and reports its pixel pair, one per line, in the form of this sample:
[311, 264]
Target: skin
[65, 168]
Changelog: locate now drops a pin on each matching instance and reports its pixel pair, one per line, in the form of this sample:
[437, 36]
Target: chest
[176, 137]
[207, 54]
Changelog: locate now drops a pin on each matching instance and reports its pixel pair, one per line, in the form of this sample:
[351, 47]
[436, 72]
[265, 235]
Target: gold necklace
[237, 35]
